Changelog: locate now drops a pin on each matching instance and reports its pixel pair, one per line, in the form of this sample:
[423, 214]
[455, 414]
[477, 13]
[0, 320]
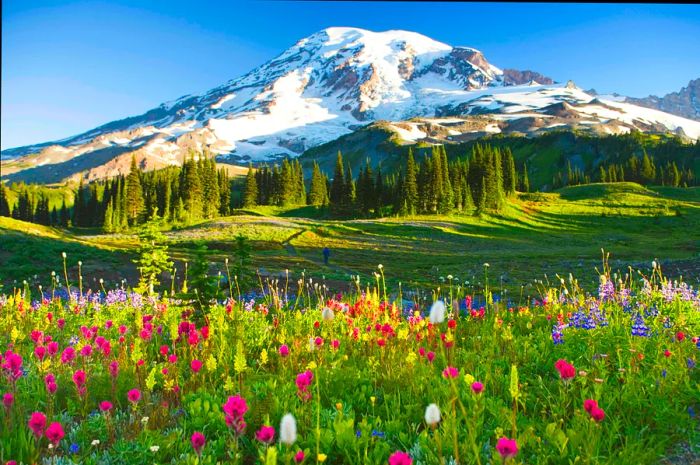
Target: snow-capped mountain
[325, 86]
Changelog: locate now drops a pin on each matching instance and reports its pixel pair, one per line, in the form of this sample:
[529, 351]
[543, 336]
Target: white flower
[449, 276]
[437, 312]
[432, 415]
[95, 442]
[327, 314]
[486, 265]
[145, 420]
[102, 281]
[155, 448]
[380, 266]
[288, 430]
[80, 263]
[64, 255]
[312, 344]
[653, 264]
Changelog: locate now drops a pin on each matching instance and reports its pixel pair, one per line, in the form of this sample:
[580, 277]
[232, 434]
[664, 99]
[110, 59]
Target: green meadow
[537, 236]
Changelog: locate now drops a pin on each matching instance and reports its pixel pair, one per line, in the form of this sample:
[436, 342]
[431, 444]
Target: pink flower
[172, 358]
[37, 423]
[318, 341]
[105, 406]
[68, 355]
[477, 387]
[40, 352]
[196, 365]
[235, 406]
[589, 405]
[54, 433]
[134, 396]
[566, 370]
[79, 378]
[266, 434]
[299, 456]
[198, 441]
[164, 350]
[598, 414]
[7, 400]
[335, 344]
[284, 350]
[507, 447]
[430, 356]
[50, 382]
[52, 348]
[114, 369]
[86, 351]
[450, 372]
[400, 458]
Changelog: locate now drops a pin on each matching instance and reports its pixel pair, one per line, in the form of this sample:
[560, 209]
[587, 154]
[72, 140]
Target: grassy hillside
[28, 249]
[538, 234]
[545, 155]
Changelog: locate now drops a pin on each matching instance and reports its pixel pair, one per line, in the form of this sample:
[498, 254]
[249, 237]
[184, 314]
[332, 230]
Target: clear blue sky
[70, 66]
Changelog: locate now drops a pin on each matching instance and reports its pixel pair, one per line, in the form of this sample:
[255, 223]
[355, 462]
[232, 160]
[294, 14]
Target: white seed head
[432, 414]
[64, 254]
[380, 266]
[327, 314]
[288, 430]
[95, 442]
[437, 312]
[80, 263]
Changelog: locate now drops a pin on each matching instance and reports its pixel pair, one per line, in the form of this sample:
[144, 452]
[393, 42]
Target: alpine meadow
[372, 248]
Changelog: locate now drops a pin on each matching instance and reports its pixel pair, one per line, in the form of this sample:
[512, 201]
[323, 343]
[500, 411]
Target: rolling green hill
[537, 234]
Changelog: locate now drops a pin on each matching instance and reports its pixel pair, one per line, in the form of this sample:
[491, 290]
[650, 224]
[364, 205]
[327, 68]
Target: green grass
[537, 236]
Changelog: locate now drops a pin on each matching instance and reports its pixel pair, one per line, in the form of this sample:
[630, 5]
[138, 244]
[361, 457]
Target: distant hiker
[326, 254]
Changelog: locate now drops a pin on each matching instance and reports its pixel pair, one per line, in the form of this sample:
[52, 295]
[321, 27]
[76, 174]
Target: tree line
[433, 186]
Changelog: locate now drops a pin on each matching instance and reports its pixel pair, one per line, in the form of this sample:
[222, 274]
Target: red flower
[477, 387]
[54, 433]
[134, 396]
[299, 456]
[680, 336]
[266, 434]
[597, 414]
[284, 350]
[198, 441]
[450, 372]
[431, 356]
[667, 353]
[381, 342]
[37, 423]
[589, 405]
[452, 324]
[79, 378]
[7, 400]
[566, 370]
[507, 447]
[105, 406]
[196, 365]
[400, 458]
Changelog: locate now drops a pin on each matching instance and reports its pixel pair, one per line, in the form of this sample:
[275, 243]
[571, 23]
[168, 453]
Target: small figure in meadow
[326, 255]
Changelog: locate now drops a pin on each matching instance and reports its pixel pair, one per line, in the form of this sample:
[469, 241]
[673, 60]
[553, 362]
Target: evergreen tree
[510, 175]
[250, 195]
[224, 193]
[317, 191]
[191, 189]
[4, 201]
[64, 217]
[410, 185]
[134, 194]
[107, 225]
[338, 190]
[525, 180]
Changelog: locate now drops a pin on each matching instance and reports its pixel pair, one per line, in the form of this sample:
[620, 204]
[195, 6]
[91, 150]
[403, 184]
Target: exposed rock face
[514, 77]
[685, 103]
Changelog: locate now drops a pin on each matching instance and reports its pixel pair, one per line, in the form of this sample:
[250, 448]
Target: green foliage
[153, 255]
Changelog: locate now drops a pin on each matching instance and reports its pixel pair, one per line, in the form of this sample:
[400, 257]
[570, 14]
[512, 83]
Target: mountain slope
[685, 103]
[329, 85]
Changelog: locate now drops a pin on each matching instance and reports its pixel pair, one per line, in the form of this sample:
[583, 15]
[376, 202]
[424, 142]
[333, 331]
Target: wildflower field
[113, 376]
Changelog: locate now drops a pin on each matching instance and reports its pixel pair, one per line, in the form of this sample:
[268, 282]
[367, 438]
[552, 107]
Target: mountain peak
[325, 86]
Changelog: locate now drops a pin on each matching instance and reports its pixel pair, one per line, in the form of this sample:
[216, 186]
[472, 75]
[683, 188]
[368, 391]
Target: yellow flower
[339, 405]
[311, 365]
[322, 457]
[373, 399]
[469, 379]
